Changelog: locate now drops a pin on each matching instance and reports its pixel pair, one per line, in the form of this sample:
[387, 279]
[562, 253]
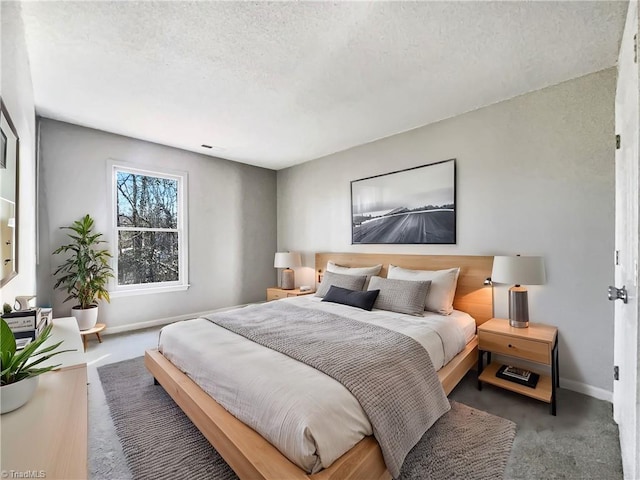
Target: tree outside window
[149, 228]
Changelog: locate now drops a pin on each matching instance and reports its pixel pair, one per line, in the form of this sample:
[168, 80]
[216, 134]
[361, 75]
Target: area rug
[160, 442]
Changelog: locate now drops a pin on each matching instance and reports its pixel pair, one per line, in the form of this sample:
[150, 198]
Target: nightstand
[275, 293]
[538, 343]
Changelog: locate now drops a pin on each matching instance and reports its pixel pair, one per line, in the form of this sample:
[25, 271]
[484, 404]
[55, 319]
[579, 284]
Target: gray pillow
[402, 296]
[442, 290]
[352, 282]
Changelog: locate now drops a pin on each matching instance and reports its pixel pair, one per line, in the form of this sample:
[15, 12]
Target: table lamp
[518, 271]
[287, 260]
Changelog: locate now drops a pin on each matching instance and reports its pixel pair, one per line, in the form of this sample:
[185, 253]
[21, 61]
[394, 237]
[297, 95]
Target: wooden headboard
[472, 296]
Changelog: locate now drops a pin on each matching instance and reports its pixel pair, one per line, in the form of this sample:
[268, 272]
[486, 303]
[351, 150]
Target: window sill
[147, 291]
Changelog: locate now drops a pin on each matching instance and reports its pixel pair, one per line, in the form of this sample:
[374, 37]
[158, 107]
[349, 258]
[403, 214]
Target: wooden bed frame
[254, 458]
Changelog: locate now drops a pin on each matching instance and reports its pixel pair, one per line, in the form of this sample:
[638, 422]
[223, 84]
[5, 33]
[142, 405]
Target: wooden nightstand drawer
[275, 294]
[516, 347]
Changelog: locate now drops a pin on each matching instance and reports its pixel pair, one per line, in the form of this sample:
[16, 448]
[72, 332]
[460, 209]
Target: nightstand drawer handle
[510, 346]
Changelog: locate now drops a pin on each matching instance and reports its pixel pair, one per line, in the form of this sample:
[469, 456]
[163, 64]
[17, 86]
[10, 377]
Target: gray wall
[535, 176]
[16, 90]
[232, 220]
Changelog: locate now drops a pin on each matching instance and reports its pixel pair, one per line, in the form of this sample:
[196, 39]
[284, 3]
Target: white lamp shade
[518, 270]
[287, 260]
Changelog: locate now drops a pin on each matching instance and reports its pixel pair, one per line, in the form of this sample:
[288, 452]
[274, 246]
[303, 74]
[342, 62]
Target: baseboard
[595, 392]
[163, 321]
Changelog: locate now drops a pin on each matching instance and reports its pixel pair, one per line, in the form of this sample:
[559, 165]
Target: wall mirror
[9, 144]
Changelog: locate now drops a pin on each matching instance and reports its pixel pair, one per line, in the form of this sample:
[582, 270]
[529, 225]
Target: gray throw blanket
[389, 373]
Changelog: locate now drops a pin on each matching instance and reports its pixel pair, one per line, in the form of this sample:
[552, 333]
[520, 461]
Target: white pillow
[368, 271]
[442, 290]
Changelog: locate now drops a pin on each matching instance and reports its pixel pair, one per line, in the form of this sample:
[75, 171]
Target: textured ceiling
[275, 84]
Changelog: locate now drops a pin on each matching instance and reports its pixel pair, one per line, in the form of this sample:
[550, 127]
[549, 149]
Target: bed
[251, 455]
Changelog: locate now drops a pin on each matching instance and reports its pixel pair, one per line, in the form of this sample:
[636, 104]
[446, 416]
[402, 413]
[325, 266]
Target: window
[150, 247]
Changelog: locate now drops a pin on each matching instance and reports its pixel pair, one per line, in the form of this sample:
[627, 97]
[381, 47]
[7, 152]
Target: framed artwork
[413, 206]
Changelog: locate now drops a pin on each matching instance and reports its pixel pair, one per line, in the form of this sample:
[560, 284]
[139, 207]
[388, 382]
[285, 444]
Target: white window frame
[182, 283]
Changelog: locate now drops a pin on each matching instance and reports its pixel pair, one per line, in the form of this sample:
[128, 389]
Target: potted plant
[85, 273]
[19, 374]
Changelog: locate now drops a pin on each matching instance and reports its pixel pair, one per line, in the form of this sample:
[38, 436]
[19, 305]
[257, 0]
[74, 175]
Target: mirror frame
[7, 117]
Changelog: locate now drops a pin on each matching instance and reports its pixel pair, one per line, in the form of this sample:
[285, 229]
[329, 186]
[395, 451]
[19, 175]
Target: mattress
[310, 417]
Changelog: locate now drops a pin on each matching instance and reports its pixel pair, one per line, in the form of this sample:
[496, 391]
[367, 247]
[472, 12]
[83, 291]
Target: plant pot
[15, 395]
[86, 317]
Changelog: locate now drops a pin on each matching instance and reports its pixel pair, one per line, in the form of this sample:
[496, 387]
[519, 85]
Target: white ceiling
[275, 84]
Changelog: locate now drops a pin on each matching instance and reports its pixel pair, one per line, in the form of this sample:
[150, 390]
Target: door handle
[618, 294]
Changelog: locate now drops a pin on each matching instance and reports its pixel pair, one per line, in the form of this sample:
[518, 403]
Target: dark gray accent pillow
[353, 298]
[352, 282]
[402, 296]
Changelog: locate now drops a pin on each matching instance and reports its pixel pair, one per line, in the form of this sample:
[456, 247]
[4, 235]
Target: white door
[626, 396]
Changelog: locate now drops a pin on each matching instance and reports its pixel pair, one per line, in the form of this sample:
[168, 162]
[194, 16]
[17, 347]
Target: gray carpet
[580, 443]
[160, 442]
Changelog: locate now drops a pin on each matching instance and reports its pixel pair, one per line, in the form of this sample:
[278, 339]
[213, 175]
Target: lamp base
[518, 307]
[288, 279]
[517, 324]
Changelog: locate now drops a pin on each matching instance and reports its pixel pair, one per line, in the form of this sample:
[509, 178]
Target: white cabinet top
[66, 330]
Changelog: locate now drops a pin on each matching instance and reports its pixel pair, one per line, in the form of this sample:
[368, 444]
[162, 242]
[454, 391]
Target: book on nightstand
[518, 375]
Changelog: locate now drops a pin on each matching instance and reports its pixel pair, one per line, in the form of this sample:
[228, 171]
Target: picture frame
[412, 206]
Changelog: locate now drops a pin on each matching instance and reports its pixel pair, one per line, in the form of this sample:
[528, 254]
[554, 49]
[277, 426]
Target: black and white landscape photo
[411, 206]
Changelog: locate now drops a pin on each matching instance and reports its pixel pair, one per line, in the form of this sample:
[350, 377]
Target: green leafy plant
[86, 272]
[18, 365]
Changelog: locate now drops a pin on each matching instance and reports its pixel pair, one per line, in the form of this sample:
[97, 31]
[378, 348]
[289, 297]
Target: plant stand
[97, 329]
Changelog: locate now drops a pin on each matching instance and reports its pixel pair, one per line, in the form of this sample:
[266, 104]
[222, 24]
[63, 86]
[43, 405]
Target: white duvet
[310, 417]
